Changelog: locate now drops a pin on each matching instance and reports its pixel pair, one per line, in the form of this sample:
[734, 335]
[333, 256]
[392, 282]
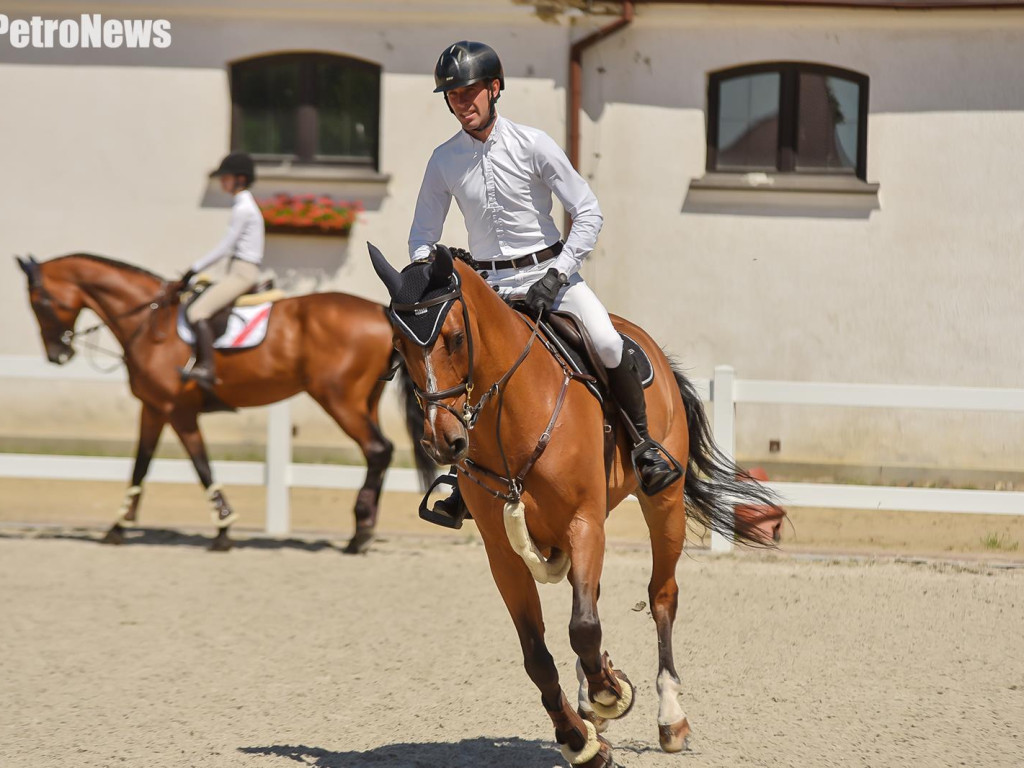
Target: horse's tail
[425, 466]
[714, 483]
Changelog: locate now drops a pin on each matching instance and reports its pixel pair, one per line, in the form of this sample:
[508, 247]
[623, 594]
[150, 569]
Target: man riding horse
[502, 175]
[243, 242]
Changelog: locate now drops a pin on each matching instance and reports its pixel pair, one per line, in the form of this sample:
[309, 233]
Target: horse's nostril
[459, 445]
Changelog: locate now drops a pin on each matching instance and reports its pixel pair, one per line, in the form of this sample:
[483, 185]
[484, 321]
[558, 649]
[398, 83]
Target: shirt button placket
[492, 199]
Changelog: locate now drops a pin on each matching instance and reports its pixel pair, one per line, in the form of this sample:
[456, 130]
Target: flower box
[309, 214]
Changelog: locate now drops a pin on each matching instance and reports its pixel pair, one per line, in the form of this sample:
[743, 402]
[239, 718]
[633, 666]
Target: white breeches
[576, 298]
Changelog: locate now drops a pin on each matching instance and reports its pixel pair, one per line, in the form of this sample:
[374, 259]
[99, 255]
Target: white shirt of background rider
[503, 187]
[244, 238]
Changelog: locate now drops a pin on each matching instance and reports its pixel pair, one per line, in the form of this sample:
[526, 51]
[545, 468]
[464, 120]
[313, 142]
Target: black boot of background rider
[654, 472]
[203, 372]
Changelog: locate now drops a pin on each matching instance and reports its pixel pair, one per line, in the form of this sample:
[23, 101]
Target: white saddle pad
[247, 327]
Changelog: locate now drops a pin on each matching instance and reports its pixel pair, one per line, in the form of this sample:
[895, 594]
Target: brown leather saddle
[569, 337]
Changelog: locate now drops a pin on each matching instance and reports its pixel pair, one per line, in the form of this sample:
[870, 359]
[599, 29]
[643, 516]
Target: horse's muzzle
[446, 450]
[60, 353]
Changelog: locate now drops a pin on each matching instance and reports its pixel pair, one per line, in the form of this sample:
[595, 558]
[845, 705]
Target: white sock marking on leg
[669, 710]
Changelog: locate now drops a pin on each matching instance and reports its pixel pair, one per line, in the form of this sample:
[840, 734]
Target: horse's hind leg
[186, 426]
[151, 424]
[666, 519]
[359, 421]
[605, 692]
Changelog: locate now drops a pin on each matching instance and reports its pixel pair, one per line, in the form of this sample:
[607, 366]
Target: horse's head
[56, 304]
[436, 344]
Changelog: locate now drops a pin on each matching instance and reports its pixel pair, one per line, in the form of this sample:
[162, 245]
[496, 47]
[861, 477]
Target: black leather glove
[542, 294]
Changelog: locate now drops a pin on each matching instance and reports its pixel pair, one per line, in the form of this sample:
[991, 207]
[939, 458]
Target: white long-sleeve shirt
[503, 187]
[244, 238]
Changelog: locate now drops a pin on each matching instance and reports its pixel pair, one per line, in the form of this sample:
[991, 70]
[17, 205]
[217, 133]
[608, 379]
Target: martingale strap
[515, 484]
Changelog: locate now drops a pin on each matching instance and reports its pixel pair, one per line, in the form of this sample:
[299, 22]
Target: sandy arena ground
[160, 653]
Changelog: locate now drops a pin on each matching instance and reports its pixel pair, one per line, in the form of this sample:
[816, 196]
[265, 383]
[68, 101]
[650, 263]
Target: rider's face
[232, 184]
[470, 104]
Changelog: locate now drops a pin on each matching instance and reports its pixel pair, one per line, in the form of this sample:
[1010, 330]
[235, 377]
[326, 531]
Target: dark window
[308, 108]
[789, 117]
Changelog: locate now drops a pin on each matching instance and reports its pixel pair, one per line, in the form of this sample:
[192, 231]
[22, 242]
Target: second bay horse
[334, 346]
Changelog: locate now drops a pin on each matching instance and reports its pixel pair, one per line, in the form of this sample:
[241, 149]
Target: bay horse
[526, 436]
[334, 346]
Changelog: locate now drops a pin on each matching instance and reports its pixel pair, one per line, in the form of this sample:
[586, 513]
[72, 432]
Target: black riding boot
[450, 511]
[202, 372]
[654, 472]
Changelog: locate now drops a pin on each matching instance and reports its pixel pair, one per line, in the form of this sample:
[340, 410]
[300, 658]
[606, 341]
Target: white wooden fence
[279, 473]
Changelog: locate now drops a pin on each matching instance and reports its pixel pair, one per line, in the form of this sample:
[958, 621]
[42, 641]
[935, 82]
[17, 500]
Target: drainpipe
[576, 76]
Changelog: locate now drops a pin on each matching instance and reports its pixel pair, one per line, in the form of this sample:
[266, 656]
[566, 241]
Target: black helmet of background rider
[464, 63]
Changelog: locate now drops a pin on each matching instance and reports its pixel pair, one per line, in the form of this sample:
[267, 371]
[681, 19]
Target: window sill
[343, 182]
[782, 194]
[289, 172]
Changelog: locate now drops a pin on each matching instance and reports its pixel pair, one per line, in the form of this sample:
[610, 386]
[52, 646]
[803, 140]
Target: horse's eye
[456, 340]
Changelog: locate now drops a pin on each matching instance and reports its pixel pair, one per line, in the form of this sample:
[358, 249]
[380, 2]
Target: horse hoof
[600, 723]
[360, 542]
[222, 543]
[674, 737]
[115, 535]
[603, 758]
[596, 752]
[621, 706]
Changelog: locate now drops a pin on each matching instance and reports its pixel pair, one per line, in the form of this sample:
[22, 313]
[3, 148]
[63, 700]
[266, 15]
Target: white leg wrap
[589, 751]
[543, 570]
[669, 711]
[130, 496]
[211, 494]
[583, 697]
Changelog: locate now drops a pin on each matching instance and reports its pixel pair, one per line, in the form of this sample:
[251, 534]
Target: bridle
[470, 413]
[46, 302]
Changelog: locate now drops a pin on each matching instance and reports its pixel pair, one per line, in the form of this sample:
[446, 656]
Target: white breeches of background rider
[576, 298]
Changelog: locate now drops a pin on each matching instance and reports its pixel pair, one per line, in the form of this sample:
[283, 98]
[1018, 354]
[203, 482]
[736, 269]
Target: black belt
[528, 260]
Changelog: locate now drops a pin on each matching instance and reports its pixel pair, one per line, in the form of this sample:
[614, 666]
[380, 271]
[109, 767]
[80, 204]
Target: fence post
[724, 412]
[278, 467]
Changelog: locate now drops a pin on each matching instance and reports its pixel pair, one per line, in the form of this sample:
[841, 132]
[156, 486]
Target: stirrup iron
[672, 477]
[439, 517]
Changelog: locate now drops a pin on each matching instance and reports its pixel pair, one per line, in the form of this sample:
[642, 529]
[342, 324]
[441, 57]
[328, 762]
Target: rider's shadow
[468, 753]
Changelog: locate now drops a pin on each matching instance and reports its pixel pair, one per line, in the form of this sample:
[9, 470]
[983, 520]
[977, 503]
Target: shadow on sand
[468, 753]
[161, 537]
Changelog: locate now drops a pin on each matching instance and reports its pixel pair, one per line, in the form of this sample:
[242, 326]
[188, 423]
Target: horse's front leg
[605, 692]
[151, 424]
[580, 743]
[186, 425]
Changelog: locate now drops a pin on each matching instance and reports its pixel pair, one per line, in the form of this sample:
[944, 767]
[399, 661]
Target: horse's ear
[443, 264]
[388, 275]
[30, 268]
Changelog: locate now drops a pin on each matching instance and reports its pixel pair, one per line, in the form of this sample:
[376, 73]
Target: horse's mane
[110, 262]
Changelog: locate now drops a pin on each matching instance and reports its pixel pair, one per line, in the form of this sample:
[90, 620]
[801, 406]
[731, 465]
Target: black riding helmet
[464, 63]
[236, 164]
